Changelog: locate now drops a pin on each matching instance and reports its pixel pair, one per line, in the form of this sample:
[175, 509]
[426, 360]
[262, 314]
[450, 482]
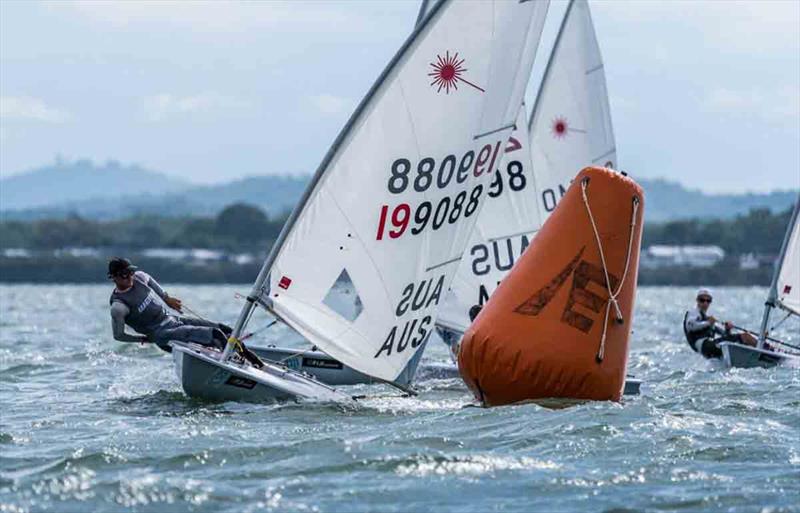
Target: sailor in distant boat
[704, 334]
[139, 301]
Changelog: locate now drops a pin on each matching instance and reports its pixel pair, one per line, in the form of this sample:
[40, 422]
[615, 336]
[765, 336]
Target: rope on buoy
[612, 296]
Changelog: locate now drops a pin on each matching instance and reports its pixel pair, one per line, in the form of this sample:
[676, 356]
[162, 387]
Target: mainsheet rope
[612, 296]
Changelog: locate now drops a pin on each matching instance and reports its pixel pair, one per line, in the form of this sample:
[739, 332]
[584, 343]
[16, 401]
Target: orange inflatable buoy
[558, 324]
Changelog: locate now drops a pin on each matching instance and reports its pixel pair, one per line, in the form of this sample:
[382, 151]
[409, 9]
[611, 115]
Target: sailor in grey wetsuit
[137, 302]
[703, 333]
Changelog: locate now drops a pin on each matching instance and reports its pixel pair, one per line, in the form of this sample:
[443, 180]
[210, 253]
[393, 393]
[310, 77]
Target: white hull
[331, 371]
[202, 375]
[738, 355]
[293, 375]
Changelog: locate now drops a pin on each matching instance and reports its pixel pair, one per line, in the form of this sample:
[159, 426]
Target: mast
[772, 295]
[263, 274]
[423, 10]
[556, 44]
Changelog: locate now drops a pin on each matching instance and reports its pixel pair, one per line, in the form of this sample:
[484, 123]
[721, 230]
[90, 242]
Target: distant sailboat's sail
[570, 129]
[570, 124]
[787, 282]
[364, 262]
[505, 226]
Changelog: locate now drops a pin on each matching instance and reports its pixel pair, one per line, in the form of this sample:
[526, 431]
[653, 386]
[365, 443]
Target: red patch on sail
[513, 145]
[285, 282]
[447, 72]
[787, 289]
[560, 128]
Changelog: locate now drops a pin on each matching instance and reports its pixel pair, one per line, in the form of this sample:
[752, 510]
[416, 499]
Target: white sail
[570, 124]
[787, 283]
[505, 226]
[570, 129]
[364, 261]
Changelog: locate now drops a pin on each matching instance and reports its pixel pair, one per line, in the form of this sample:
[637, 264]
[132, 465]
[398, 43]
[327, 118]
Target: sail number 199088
[393, 221]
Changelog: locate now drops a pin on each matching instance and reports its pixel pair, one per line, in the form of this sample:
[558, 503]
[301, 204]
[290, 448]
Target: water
[88, 424]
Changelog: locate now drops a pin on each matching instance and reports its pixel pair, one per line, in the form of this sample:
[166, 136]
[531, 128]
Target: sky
[706, 93]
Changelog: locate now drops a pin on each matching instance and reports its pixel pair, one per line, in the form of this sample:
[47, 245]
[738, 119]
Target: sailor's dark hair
[118, 264]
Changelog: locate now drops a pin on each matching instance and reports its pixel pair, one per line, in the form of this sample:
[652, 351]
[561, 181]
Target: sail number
[516, 179]
[550, 199]
[447, 211]
[426, 174]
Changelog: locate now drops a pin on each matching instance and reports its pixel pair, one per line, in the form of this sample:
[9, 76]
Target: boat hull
[316, 363]
[742, 356]
[332, 372]
[202, 376]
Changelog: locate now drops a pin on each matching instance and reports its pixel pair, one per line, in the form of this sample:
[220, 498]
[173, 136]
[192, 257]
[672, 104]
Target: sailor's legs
[185, 329]
[710, 348]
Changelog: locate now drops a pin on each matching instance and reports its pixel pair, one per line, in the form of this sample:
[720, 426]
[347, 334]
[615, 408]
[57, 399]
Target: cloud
[331, 104]
[745, 26]
[164, 106]
[29, 108]
[218, 16]
[777, 105]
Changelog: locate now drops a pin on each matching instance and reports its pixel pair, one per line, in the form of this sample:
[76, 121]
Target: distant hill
[665, 201]
[81, 180]
[113, 191]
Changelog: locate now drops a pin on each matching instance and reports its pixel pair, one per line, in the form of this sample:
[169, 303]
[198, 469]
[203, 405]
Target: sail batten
[363, 263]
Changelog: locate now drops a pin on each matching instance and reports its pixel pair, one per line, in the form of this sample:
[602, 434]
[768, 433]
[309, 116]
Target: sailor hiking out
[704, 334]
[140, 302]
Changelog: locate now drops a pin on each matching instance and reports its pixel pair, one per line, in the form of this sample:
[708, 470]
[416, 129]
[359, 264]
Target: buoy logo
[583, 273]
[447, 72]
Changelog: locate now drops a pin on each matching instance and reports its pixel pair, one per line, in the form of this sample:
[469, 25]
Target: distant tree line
[245, 227]
[759, 231]
[237, 227]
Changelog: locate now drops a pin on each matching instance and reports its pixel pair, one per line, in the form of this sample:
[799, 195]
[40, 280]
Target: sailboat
[784, 294]
[569, 128]
[362, 264]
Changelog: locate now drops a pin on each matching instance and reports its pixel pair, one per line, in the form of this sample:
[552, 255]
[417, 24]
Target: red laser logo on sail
[560, 128]
[447, 73]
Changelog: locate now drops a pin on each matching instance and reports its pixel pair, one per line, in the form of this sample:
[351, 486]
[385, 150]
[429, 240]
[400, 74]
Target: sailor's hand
[712, 319]
[175, 304]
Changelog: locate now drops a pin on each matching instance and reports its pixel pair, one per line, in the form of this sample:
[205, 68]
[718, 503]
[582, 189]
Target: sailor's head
[704, 299]
[120, 271]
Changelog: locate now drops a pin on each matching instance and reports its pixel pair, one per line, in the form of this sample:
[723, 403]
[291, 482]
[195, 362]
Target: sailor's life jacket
[146, 310]
[692, 336]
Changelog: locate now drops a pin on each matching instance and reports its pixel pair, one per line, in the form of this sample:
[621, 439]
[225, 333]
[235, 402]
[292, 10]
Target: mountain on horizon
[64, 182]
[113, 191]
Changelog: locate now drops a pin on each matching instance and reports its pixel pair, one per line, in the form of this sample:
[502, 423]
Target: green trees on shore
[245, 227]
[242, 228]
[759, 231]
[237, 227]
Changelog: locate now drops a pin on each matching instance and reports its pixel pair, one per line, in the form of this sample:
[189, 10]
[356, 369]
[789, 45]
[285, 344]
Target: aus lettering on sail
[417, 304]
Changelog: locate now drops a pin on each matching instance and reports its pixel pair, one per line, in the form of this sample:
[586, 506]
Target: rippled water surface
[88, 424]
